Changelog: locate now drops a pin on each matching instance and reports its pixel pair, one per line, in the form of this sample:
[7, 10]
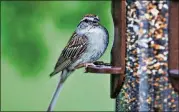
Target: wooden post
[119, 44]
[174, 43]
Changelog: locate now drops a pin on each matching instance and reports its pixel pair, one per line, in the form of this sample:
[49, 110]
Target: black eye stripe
[96, 19]
[86, 20]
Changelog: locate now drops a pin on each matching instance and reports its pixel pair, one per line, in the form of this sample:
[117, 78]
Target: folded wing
[75, 47]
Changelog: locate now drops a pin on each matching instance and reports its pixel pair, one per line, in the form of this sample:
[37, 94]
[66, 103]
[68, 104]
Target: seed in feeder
[155, 52]
[158, 36]
[157, 25]
[126, 95]
[157, 79]
[160, 106]
[164, 19]
[160, 2]
[160, 57]
[160, 71]
[152, 22]
[165, 64]
[124, 87]
[173, 106]
[128, 63]
[166, 15]
[159, 17]
[136, 64]
[156, 84]
[163, 26]
[132, 40]
[152, 30]
[142, 44]
[148, 72]
[149, 6]
[150, 67]
[160, 31]
[162, 63]
[160, 6]
[169, 96]
[165, 6]
[173, 92]
[156, 46]
[161, 89]
[153, 61]
[131, 70]
[130, 100]
[170, 86]
[157, 66]
[157, 97]
[154, 71]
[126, 59]
[130, 25]
[149, 100]
[172, 100]
[166, 79]
[153, 1]
[134, 52]
[138, 4]
[130, 47]
[150, 17]
[147, 16]
[154, 11]
[128, 39]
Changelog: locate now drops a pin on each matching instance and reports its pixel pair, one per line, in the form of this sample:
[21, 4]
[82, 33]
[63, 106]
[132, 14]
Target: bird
[86, 45]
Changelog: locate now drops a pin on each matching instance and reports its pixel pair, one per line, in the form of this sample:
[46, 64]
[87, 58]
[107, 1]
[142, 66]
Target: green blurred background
[33, 35]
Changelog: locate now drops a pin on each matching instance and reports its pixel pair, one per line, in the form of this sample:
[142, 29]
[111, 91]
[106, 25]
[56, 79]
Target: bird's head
[91, 18]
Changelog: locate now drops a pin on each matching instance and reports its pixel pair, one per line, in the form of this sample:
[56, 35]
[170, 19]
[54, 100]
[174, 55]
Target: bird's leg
[84, 65]
[89, 64]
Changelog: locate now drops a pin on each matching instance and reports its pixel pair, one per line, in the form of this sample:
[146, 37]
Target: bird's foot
[89, 64]
[84, 65]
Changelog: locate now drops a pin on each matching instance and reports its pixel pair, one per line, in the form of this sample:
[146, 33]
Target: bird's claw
[84, 65]
[89, 64]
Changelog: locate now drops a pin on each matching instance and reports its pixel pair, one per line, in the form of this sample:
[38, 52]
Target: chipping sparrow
[86, 45]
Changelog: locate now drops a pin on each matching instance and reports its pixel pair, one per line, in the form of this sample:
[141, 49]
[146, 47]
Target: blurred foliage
[22, 40]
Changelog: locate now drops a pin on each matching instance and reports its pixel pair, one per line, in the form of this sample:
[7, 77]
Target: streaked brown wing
[75, 47]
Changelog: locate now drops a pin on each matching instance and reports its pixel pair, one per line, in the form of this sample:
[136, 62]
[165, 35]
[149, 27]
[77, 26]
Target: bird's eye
[96, 20]
[85, 20]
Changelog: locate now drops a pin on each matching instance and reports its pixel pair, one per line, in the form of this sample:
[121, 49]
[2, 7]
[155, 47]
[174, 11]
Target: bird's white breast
[97, 39]
[97, 43]
[96, 36]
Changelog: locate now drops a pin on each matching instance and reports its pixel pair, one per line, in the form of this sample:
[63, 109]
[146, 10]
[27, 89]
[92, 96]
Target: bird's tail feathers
[62, 79]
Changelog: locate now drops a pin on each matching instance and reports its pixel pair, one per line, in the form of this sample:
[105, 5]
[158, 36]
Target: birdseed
[146, 86]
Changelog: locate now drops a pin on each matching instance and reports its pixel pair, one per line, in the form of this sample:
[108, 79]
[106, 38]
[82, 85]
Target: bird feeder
[144, 64]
